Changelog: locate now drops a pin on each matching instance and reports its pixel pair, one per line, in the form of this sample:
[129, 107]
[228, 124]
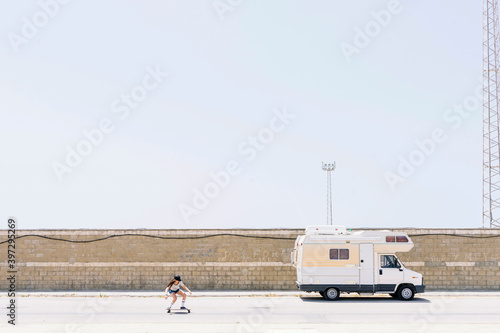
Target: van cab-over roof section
[384, 241]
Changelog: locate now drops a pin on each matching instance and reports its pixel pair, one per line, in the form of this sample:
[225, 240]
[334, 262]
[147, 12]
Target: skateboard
[178, 310]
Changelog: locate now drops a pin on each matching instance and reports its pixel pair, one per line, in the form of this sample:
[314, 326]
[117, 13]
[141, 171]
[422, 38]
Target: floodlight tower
[328, 167]
[491, 125]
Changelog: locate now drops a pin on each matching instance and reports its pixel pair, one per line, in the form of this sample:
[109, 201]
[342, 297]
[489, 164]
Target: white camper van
[331, 260]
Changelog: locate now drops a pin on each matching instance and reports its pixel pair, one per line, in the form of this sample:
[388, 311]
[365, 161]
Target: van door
[366, 267]
[390, 272]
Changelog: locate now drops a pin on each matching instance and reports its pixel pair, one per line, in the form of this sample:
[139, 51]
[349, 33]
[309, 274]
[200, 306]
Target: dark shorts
[173, 291]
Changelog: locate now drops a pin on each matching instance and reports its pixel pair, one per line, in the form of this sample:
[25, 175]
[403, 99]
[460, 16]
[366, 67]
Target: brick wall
[224, 262]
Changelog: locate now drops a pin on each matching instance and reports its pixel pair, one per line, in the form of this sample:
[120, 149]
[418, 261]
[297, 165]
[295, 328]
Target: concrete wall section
[260, 260]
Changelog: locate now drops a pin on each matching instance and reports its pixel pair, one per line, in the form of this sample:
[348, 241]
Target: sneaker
[183, 308]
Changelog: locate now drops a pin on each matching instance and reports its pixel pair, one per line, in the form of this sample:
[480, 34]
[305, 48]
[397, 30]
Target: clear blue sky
[231, 66]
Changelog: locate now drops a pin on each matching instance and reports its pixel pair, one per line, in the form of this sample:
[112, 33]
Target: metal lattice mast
[329, 205]
[491, 126]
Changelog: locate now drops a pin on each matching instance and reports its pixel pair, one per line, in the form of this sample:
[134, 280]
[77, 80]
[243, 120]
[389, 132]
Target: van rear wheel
[331, 294]
[406, 293]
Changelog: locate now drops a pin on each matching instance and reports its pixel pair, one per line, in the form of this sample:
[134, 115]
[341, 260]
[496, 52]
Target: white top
[175, 287]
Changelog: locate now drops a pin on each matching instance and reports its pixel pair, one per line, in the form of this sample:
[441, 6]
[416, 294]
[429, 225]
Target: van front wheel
[331, 294]
[406, 293]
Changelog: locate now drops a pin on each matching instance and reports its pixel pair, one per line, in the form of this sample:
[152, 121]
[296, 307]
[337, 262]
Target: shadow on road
[358, 299]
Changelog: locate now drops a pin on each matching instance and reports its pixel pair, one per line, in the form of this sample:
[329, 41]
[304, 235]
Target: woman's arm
[187, 289]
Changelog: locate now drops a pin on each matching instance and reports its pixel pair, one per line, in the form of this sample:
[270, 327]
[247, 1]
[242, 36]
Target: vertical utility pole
[329, 208]
[491, 125]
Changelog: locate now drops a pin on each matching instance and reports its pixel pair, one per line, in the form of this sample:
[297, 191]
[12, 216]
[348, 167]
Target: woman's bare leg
[174, 298]
[183, 294]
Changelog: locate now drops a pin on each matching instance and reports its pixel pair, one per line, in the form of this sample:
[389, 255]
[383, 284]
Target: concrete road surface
[278, 314]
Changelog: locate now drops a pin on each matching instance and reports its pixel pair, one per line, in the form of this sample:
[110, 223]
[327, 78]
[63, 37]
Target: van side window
[401, 239]
[339, 254]
[389, 261]
[396, 239]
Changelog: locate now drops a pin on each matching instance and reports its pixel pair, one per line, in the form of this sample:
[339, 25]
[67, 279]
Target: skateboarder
[173, 287]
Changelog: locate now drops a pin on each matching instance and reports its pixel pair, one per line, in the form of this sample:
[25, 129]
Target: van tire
[331, 294]
[393, 295]
[406, 293]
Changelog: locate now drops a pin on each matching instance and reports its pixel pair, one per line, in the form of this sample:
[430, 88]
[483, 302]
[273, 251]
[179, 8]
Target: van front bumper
[420, 289]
